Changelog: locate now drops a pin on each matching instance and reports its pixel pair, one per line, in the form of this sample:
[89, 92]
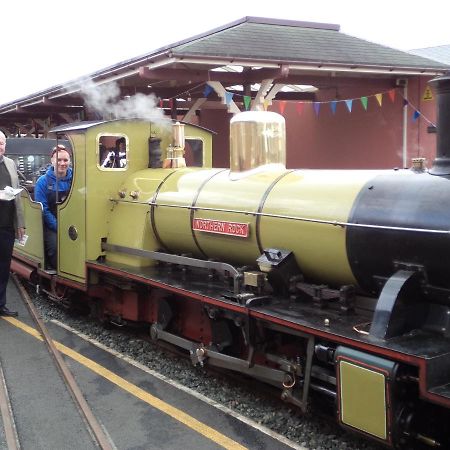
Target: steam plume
[105, 100]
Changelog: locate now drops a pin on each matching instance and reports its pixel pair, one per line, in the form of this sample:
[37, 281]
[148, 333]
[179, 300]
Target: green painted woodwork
[93, 207]
[129, 220]
[72, 213]
[363, 399]
[365, 391]
[125, 221]
[34, 246]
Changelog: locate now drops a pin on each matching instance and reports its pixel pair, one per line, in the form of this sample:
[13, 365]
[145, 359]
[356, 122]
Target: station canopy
[235, 67]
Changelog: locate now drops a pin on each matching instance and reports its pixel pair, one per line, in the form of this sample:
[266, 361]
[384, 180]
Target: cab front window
[113, 152]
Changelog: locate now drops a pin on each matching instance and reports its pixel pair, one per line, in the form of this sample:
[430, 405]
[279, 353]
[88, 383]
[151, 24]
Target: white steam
[105, 100]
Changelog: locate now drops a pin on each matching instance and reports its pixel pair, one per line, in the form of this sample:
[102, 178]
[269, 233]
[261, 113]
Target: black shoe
[4, 311]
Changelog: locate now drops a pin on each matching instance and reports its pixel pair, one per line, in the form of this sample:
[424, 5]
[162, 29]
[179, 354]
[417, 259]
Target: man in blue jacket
[52, 188]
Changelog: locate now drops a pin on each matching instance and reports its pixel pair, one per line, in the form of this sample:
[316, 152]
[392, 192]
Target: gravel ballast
[311, 431]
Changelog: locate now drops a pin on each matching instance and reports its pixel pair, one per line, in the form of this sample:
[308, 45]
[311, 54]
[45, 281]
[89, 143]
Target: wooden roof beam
[195, 76]
[66, 100]
[198, 76]
[333, 81]
[49, 109]
[273, 92]
[197, 105]
[220, 90]
[261, 94]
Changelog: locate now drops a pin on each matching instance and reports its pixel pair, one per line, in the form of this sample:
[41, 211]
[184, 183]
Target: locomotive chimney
[441, 165]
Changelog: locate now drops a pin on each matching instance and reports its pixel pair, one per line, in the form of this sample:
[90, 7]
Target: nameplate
[221, 227]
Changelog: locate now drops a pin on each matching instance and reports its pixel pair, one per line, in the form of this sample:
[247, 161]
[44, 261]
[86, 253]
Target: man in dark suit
[12, 222]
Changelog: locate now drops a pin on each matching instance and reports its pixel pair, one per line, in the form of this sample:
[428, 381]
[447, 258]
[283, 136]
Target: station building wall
[369, 138]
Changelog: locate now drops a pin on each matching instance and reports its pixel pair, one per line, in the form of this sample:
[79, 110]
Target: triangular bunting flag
[379, 98]
[349, 104]
[333, 105]
[299, 107]
[316, 108]
[228, 97]
[405, 102]
[282, 105]
[247, 100]
[392, 95]
[416, 115]
[364, 102]
[208, 89]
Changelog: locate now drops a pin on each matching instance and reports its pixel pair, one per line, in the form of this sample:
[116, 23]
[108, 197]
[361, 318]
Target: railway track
[243, 395]
[111, 395]
[100, 439]
[9, 424]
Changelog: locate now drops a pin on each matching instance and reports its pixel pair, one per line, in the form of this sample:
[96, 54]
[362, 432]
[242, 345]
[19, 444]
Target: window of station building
[193, 152]
[112, 152]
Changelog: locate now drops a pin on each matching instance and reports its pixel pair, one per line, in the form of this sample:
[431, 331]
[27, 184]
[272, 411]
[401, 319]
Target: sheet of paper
[9, 193]
[22, 241]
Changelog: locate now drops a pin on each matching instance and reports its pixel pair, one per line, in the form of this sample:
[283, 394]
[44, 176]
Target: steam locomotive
[326, 284]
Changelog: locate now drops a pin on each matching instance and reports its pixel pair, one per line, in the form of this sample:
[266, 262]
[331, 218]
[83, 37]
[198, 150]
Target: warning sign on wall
[428, 94]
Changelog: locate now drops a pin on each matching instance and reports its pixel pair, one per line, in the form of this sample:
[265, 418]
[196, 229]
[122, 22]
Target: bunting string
[317, 105]
[416, 113]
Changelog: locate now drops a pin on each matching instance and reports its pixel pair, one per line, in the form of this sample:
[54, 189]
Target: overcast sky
[50, 42]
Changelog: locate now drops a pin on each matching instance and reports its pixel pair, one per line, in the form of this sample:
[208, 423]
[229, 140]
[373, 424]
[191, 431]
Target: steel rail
[9, 424]
[94, 426]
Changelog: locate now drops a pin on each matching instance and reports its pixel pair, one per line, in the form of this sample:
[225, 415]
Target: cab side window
[113, 152]
[193, 152]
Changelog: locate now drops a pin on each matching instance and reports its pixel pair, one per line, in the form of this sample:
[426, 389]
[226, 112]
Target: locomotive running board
[223, 268]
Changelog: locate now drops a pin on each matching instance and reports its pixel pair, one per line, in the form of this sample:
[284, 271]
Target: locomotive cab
[86, 218]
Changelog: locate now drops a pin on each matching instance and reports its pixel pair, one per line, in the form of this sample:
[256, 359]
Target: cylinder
[343, 227]
[205, 214]
[257, 138]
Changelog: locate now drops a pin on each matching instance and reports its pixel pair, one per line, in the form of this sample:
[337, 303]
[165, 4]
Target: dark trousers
[7, 236]
[51, 247]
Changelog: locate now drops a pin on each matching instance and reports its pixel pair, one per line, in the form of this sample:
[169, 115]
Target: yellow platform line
[155, 402]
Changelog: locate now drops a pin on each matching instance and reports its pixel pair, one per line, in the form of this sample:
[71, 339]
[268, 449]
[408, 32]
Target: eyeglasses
[62, 160]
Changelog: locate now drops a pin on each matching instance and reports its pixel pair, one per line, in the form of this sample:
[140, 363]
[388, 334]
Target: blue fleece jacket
[45, 192]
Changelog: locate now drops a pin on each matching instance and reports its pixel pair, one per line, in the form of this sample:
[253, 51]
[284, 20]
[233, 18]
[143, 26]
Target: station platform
[136, 408]
[44, 412]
